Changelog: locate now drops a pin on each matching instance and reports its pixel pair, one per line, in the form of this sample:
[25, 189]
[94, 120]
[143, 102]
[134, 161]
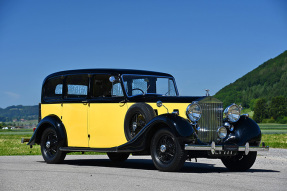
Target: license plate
[230, 147]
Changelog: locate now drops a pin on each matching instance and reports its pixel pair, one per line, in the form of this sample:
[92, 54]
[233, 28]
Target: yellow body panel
[75, 120]
[106, 124]
[99, 125]
[51, 109]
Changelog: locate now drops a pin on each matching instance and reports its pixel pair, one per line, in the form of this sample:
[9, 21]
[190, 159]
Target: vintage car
[122, 112]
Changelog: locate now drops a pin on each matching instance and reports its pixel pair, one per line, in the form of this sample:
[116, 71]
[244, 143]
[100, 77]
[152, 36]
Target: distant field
[273, 128]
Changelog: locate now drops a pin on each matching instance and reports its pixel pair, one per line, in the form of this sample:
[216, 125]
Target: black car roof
[108, 71]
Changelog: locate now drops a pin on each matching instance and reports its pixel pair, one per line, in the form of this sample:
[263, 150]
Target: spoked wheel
[136, 124]
[240, 162]
[50, 147]
[166, 152]
[118, 157]
[136, 118]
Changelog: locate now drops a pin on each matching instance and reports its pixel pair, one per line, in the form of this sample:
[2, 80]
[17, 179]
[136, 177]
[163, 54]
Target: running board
[88, 149]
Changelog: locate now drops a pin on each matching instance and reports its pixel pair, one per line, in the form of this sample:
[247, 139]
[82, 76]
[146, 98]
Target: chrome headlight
[232, 113]
[222, 132]
[193, 112]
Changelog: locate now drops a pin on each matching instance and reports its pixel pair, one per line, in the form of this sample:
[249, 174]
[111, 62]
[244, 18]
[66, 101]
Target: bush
[271, 120]
[282, 120]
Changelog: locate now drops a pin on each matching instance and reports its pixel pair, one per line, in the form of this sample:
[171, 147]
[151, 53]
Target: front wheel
[166, 152]
[50, 145]
[240, 162]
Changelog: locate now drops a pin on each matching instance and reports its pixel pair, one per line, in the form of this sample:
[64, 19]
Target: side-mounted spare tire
[137, 116]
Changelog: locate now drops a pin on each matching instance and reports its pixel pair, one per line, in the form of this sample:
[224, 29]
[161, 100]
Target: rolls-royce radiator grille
[211, 119]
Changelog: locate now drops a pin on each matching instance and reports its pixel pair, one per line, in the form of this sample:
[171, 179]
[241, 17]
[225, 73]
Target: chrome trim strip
[213, 148]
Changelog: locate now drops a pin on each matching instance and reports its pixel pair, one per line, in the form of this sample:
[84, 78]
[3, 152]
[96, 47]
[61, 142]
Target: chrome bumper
[221, 148]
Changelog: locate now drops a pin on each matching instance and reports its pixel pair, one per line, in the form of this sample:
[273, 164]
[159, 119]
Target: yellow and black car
[123, 112]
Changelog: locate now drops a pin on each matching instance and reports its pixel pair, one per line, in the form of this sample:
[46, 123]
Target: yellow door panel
[75, 120]
[51, 109]
[106, 124]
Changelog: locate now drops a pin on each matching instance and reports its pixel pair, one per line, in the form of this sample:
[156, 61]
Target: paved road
[96, 172]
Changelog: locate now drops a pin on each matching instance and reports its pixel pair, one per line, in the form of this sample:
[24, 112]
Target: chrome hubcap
[48, 144]
[134, 125]
[162, 148]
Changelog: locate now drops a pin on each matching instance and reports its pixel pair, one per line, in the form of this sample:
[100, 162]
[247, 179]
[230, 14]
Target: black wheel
[50, 145]
[240, 162]
[118, 157]
[136, 118]
[167, 154]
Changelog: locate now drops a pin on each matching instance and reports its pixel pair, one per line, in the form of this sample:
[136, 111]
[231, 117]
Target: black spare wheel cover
[137, 116]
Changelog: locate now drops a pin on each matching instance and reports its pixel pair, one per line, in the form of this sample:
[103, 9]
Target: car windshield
[141, 85]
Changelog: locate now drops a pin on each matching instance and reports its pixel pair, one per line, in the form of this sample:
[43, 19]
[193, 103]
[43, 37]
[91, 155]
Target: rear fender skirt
[178, 125]
[245, 130]
[49, 121]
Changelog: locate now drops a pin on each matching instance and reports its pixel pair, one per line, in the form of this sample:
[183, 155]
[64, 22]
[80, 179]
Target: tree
[278, 107]
[260, 110]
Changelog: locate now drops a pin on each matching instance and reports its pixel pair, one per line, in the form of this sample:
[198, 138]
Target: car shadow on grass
[147, 164]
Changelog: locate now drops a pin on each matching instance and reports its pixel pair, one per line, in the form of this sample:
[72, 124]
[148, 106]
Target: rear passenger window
[53, 88]
[77, 86]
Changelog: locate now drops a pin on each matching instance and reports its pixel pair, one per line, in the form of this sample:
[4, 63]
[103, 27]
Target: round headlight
[232, 113]
[193, 112]
[222, 132]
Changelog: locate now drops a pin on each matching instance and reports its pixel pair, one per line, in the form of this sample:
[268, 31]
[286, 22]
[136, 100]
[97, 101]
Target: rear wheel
[118, 157]
[50, 145]
[240, 162]
[166, 152]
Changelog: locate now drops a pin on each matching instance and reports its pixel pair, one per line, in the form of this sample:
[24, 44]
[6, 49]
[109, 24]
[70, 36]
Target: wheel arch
[49, 121]
[178, 125]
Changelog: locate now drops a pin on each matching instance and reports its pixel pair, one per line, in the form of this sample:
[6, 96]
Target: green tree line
[271, 112]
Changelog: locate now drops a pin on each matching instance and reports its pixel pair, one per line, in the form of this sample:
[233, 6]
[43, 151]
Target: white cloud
[12, 95]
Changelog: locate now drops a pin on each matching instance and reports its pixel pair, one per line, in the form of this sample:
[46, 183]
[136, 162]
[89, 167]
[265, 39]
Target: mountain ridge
[266, 81]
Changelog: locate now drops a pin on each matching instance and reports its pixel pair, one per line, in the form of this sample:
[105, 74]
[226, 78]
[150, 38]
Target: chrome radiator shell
[211, 119]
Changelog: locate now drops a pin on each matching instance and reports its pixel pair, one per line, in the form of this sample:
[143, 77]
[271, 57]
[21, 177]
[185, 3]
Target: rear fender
[49, 121]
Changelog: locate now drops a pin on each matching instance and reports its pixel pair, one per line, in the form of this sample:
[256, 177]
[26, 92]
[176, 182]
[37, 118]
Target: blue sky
[204, 44]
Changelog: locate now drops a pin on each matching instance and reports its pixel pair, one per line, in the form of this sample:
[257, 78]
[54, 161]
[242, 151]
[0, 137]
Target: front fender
[245, 130]
[49, 121]
[178, 125]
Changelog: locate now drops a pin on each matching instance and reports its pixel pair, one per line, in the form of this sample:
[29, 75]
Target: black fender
[181, 128]
[49, 121]
[245, 130]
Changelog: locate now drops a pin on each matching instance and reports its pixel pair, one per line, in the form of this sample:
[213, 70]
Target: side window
[77, 86]
[103, 87]
[53, 88]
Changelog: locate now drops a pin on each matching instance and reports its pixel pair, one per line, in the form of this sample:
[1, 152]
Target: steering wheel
[138, 89]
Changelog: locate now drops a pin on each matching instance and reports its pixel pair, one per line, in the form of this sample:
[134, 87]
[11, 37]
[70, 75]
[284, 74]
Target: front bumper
[225, 148]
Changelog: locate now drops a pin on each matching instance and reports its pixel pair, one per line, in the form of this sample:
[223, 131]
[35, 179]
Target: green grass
[11, 145]
[275, 140]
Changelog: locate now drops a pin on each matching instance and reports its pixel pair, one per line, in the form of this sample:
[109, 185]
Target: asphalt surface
[97, 172]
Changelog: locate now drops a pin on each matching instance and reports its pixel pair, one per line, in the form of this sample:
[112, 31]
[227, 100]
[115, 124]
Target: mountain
[19, 112]
[266, 81]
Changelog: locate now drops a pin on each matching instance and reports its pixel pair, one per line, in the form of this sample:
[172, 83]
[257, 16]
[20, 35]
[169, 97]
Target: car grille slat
[211, 119]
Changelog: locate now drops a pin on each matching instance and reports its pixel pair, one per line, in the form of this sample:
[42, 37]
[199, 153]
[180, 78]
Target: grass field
[274, 135]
